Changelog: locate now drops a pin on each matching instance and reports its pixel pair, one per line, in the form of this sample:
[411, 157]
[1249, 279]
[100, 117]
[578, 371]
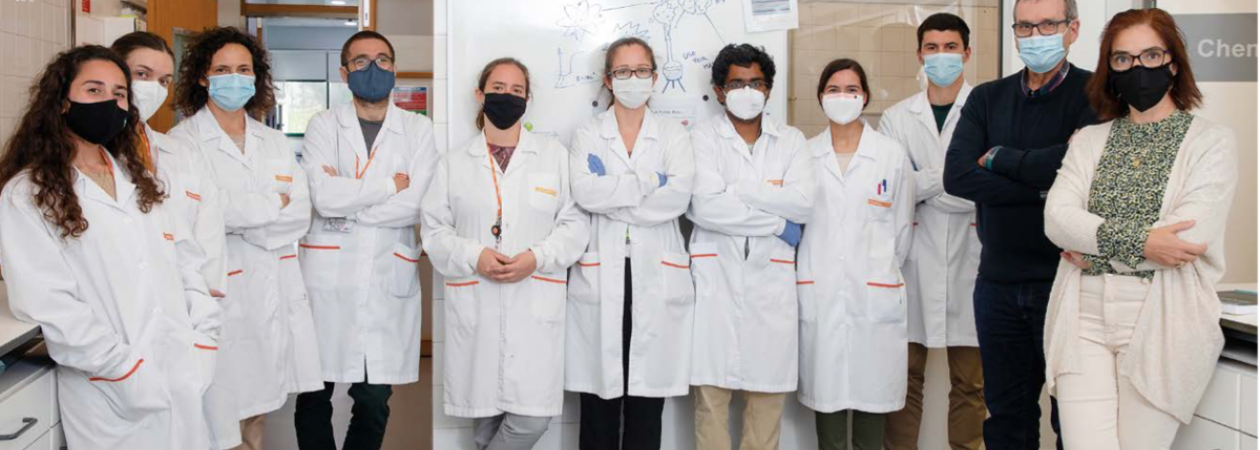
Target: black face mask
[1141, 87]
[98, 122]
[504, 110]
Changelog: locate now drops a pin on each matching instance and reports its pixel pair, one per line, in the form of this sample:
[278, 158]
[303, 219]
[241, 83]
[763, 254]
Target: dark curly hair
[743, 55]
[191, 96]
[42, 144]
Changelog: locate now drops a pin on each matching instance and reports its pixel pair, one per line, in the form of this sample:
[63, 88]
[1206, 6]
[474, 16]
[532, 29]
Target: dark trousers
[1010, 319]
[370, 413]
[601, 422]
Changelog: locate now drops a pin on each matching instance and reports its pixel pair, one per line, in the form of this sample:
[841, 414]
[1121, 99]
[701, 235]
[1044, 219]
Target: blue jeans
[1010, 320]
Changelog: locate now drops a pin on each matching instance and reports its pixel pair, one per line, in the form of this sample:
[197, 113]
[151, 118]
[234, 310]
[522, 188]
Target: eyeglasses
[1047, 28]
[737, 85]
[624, 73]
[362, 62]
[1151, 58]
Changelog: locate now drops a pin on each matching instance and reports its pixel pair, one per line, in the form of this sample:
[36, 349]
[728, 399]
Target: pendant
[1137, 162]
[496, 230]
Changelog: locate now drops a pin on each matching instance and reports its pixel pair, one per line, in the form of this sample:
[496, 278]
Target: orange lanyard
[109, 163]
[147, 155]
[497, 228]
[371, 155]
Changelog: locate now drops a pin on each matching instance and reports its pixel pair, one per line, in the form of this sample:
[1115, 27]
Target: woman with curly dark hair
[97, 261]
[269, 352]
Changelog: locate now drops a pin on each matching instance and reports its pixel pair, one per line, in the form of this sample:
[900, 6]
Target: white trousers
[1099, 409]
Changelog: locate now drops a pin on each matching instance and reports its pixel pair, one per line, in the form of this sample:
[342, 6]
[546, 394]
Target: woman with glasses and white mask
[1139, 207]
[630, 296]
[852, 294]
[268, 351]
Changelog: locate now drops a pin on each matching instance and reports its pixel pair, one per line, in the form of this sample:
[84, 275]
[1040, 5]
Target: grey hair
[1071, 12]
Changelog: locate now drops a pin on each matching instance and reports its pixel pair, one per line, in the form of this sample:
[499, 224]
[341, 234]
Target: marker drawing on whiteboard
[587, 30]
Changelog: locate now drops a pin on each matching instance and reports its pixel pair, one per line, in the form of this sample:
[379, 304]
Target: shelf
[415, 75]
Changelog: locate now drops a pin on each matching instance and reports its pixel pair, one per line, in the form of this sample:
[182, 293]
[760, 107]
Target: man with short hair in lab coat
[941, 268]
[370, 163]
[754, 188]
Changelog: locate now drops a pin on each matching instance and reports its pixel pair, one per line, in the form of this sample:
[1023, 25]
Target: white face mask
[746, 103]
[842, 108]
[632, 92]
[148, 96]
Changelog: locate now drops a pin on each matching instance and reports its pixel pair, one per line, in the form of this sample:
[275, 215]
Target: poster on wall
[412, 99]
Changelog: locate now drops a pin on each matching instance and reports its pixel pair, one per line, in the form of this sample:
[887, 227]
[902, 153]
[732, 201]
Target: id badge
[338, 225]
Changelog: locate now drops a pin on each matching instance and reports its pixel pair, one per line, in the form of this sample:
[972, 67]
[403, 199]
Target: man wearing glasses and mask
[369, 164]
[754, 188]
[1004, 156]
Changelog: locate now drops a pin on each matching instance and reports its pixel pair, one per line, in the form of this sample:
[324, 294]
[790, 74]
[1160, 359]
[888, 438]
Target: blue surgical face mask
[1042, 53]
[943, 69]
[232, 91]
[372, 83]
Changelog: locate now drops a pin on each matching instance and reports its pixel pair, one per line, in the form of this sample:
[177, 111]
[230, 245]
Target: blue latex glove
[663, 178]
[791, 233]
[596, 165]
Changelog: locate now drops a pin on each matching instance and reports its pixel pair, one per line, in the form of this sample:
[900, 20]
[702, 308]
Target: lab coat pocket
[584, 279]
[279, 175]
[463, 303]
[676, 277]
[206, 351]
[142, 390]
[706, 270]
[807, 295]
[320, 258]
[544, 191]
[547, 297]
[405, 281]
[879, 208]
[886, 299]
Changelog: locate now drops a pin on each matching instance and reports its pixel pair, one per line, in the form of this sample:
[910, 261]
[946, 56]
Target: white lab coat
[504, 342]
[853, 297]
[364, 284]
[745, 334]
[632, 216]
[269, 348]
[123, 311]
[944, 260]
[193, 197]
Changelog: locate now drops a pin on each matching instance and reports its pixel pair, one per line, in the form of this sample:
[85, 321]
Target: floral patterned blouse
[1128, 188]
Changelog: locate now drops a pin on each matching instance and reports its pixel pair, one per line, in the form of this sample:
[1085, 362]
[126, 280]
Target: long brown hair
[42, 144]
[1185, 93]
[191, 96]
[485, 78]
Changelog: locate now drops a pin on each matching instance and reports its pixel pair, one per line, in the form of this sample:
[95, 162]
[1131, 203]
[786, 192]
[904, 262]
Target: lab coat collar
[348, 117]
[123, 187]
[921, 104]
[528, 143]
[866, 148]
[609, 130]
[768, 127]
[208, 130]
[158, 140]
[608, 125]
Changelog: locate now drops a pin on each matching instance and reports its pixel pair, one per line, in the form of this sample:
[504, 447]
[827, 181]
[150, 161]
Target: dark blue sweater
[1010, 199]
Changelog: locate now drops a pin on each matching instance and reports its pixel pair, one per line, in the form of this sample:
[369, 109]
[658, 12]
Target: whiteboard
[563, 44]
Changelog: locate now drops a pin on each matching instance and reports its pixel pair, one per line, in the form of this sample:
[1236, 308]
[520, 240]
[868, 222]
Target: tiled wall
[881, 36]
[31, 32]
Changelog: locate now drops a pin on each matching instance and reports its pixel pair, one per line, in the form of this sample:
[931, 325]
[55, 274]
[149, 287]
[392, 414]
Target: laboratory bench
[29, 418]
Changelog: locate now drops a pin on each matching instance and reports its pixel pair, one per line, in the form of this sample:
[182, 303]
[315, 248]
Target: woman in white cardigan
[1139, 207]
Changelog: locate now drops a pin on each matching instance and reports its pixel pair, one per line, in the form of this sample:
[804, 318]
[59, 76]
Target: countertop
[1246, 325]
[13, 332]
